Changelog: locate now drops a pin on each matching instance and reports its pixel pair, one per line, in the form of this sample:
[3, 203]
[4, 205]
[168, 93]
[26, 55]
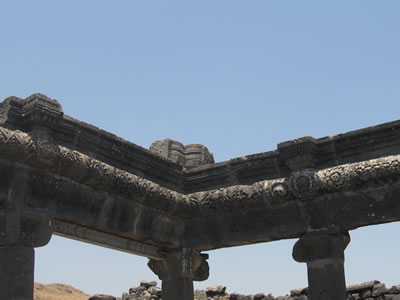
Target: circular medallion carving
[304, 183]
[279, 189]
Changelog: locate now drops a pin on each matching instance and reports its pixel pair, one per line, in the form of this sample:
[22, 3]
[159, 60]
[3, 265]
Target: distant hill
[57, 291]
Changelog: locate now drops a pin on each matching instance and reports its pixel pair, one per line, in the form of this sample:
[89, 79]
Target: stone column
[177, 272]
[324, 255]
[21, 230]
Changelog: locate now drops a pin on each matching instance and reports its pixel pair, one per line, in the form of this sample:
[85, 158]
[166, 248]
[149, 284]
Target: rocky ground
[372, 290]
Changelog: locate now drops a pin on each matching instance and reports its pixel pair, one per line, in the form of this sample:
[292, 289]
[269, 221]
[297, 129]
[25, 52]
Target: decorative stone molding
[44, 154]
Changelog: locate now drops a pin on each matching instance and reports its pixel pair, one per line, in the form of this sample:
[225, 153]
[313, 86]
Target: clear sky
[236, 76]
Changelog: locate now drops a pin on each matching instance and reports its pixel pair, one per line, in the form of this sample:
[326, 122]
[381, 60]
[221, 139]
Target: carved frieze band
[42, 154]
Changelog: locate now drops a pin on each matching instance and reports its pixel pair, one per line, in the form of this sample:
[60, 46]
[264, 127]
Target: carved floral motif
[19, 146]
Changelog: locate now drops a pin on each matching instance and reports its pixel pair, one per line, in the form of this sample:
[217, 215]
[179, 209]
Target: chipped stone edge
[45, 155]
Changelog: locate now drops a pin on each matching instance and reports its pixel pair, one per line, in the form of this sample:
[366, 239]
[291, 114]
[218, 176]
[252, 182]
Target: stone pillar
[324, 255]
[177, 272]
[21, 230]
[16, 272]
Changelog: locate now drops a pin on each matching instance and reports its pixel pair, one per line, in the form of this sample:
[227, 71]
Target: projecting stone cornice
[174, 166]
[39, 152]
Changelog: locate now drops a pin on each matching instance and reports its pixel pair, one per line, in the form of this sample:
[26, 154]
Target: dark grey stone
[148, 284]
[378, 290]
[394, 289]
[215, 290]
[392, 297]
[366, 293]
[166, 206]
[137, 290]
[102, 297]
[259, 296]
[16, 272]
[200, 294]
[362, 286]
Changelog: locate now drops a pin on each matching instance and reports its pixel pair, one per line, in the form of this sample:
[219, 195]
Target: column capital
[185, 263]
[21, 225]
[324, 254]
[319, 245]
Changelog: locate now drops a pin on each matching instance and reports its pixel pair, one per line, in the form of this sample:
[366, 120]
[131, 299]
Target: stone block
[354, 296]
[365, 294]
[298, 292]
[236, 296]
[148, 284]
[394, 289]
[259, 296]
[215, 290]
[137, 290]
[146, 295]
[102, 297]
[153, 290]
[200, 295]
[362, 286]
[392, 297]
[379, 289]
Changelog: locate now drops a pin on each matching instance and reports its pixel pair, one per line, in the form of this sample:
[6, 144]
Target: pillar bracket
[177, 272]
[324, 255]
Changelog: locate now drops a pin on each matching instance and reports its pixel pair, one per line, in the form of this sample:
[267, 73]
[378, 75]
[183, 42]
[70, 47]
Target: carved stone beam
[324, 255]
[21, 229]
[178, 271]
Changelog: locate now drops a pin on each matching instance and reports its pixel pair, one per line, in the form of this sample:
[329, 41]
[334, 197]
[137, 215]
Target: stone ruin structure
[172, 202]
[371, 290]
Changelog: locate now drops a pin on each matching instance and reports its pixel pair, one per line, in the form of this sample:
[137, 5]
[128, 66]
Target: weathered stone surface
[259, 296]
[200, 295]
[97, 185]
[360, 291]
[153, 290]
[215, 290]
[148, 284]
[362, 286]
[378, 290]
[236, 296]
[394, 289]
[16, 272]
[137, 290]
[190, 156]
[146, 295]
[392, 297]
[102, 297]
[366, 293]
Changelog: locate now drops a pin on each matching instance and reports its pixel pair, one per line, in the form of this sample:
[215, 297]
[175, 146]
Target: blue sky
[236, 76]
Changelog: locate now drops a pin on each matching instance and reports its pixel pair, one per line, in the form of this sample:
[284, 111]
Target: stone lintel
[300, 184]
[112, 241]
